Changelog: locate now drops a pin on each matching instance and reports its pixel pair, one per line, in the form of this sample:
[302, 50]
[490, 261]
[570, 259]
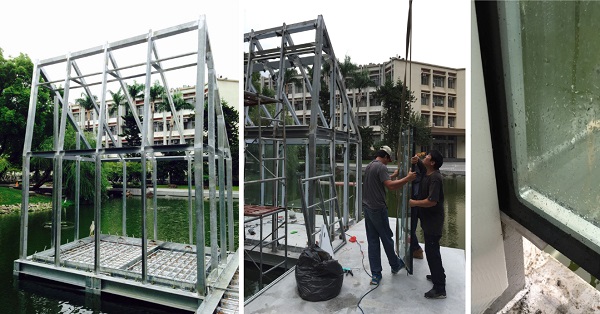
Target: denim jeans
[378, 228]
[434, 260]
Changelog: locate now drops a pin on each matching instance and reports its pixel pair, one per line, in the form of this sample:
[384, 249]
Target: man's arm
[396, 184]
[421, 203]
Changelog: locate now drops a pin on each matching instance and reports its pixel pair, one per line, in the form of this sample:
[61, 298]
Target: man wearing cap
[430, 200]
[375, 180]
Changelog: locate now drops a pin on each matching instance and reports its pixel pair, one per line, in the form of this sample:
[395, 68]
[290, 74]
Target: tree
[368, 139]
[231, 126]
[135, 90]
[180, 104]
[15, 88]
[397, 110]
[87, 102]
[118, 100]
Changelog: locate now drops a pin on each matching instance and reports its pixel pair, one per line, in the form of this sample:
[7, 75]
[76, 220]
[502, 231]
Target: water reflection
[34, 296]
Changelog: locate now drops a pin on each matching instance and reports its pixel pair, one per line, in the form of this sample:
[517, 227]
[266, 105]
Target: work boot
[435, 294]
[418, 254]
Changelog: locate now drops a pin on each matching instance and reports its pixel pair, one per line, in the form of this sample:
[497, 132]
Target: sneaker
[376, 279]
[434, 294]
[400, 266]
[418, 254]
[428, 277]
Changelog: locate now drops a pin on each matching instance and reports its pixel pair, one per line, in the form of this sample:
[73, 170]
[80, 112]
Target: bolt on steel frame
[215, 151]
[272, 52]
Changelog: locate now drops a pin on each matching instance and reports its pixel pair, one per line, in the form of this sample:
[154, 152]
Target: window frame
[490, 37]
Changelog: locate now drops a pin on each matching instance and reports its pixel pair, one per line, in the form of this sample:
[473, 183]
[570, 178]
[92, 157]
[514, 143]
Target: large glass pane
[553, 66]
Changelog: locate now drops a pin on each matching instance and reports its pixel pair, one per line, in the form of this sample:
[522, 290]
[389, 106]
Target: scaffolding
[182, 275]
[272, 127]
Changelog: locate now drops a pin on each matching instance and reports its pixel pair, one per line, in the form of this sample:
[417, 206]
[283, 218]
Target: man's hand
[414, 159]
[410, 176]
[411, 203]
[395, 174]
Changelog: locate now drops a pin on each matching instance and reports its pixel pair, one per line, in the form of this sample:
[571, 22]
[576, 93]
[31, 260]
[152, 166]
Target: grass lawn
[10, 196]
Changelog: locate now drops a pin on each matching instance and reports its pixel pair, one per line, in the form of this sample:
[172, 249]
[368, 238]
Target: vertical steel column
[124, 197]
[98, 156]
[312, 129]
[211, 161]
[58, 167]
[230, 203]
[27, 160]
[199, 156]
[77, 183]
[55, 128]
[346, 189]
[190, 217]
[154, 200]
[221, 136]
[147, 124]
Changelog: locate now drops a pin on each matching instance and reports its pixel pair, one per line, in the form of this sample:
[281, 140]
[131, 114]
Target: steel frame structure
[215, 149]
[273, 51]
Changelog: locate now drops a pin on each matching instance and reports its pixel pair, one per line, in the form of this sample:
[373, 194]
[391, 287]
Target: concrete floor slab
[400, 293]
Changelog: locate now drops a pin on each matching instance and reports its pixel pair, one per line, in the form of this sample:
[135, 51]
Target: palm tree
[87, 102]
[290, 76]
[156, 92]
[135, 91]
[118, 100]
[361, 80]
[179, 104]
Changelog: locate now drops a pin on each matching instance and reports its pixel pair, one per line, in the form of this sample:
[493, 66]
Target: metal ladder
[277, 179]
[308, 210]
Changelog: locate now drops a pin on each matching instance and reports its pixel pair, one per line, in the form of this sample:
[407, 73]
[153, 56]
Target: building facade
[440, 98]
[165, 132]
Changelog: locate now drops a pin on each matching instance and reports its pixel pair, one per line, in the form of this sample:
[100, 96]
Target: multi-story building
[440, 98]
[165, 131]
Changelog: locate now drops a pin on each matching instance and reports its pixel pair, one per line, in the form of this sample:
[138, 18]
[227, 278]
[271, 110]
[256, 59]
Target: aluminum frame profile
[217, 146]
[340, 127]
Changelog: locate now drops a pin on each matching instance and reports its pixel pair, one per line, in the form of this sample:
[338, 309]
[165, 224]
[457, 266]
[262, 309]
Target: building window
[438, 100]
[452, 82]
[425, 99]
[362, 120]
[438, 120]
[157, 127]
[425, 117]
[451, 100]
[438, 81]
[451, 122]
[298, 106]
[425, 79]
[376, 120]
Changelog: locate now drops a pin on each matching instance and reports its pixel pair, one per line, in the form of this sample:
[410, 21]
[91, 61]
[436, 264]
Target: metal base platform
[171, 269]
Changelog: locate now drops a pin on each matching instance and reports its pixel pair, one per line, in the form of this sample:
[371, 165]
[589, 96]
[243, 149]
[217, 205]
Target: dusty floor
[550, 287]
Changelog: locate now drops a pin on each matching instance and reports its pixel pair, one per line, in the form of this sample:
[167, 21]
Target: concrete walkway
[400, 293]
[173, 192]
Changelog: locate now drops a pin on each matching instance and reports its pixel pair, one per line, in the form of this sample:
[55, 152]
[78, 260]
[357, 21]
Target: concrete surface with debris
[551, 287]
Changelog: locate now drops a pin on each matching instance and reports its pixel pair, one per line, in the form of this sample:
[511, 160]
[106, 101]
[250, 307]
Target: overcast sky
[367, 31]
[374, 31]
[47, 29]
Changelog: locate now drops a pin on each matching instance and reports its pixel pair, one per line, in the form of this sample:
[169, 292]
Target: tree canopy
[398, 112]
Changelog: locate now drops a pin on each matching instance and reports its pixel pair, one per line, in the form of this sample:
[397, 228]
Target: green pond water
[33, 296]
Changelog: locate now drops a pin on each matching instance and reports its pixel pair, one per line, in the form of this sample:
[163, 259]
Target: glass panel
[554, 111]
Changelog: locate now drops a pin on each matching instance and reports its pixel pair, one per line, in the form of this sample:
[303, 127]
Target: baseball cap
[386, 149]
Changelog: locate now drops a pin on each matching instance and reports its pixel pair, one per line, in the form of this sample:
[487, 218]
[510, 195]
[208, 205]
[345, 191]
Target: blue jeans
[378, 228]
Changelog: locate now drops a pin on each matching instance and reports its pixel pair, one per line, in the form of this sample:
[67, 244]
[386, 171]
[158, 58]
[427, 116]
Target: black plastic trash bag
[318, 276]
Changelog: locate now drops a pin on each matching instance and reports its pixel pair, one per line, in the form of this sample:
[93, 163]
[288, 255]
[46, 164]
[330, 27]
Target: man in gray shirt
[375, 180]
